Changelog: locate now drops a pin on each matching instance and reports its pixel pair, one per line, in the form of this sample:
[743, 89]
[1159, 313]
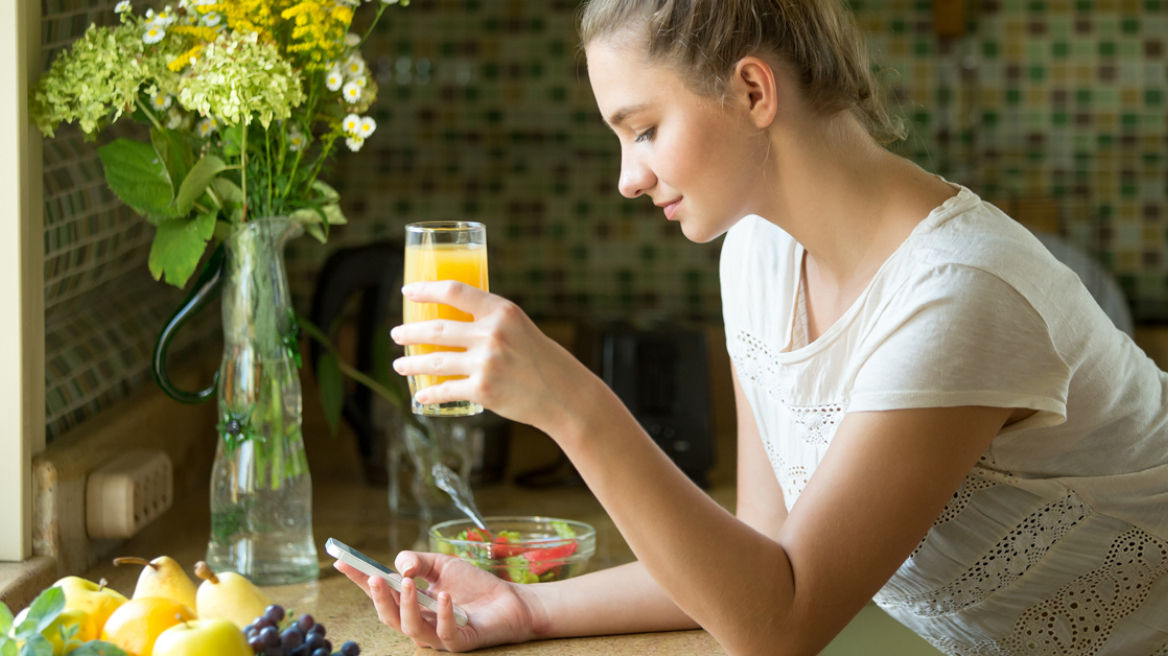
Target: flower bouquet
[245, 101]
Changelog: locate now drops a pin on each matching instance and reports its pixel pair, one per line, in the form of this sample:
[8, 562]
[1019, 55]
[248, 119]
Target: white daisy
[295, 141]
[149, 14]
[389, 2]
[206, 127]
[351, 124]
[354, 66]
[361, 81]
[352, 39]
[335, 79]
[211, 19]
[164, 17]
[368, 125]
[154, 33]
[174, 119]
[354, 143]
[160, 101]
[351, 92]
[123, 7]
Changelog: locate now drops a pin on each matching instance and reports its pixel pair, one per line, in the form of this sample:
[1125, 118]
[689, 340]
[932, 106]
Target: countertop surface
[346, 508]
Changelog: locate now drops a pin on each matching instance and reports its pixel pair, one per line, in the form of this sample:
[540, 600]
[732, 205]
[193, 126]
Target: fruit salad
[511, 557]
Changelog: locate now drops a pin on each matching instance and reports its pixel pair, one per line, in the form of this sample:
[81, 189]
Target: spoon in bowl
[452, 484]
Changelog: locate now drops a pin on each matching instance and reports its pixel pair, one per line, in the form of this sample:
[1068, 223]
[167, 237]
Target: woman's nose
[635, 177]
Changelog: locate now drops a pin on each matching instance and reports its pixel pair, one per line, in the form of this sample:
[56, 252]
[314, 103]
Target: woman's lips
[671, 209]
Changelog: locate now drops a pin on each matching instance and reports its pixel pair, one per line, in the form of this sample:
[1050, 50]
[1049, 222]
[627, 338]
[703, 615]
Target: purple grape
[275, 612]
[306, 622]
[302, 650]
[327, 646]
[256, 644]
[314, 640]
[318, 628]
[263, 623]
[350, 648]
[274, 651]
[291, 638]
[250, 628]
[321, 652]
[269, 636]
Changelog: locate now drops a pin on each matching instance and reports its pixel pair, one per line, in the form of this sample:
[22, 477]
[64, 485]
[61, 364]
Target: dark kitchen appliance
[663, 376]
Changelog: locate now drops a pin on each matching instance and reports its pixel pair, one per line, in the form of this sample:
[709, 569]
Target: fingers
[452, 390]
[440, 332]
[387, 604]
[412, 622]
[460, 296]
[447, 626]
[441, 363]
[356, 577]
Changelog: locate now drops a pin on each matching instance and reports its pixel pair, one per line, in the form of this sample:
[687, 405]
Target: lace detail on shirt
[972, 483]
[1020, 550]
[791, 479]
[755, 363]
[1082, 615]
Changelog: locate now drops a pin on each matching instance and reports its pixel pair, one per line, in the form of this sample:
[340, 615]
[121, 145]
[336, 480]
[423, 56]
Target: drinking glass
[442, 250]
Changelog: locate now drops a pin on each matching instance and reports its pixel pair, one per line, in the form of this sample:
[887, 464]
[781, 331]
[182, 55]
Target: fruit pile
[166, 616]
[270, 635]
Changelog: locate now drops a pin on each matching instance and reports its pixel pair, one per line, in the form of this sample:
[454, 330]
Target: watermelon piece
[542, 560]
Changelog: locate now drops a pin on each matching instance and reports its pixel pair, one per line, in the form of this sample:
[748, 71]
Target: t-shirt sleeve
[957, 336]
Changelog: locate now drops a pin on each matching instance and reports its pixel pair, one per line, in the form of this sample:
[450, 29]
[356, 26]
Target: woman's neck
[846, 200]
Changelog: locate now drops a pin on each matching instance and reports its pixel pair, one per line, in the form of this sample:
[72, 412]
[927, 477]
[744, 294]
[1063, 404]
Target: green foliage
[44, 609]
[97, 648]
[5, 619]
[332, 389]
[37, 645]
[174, 150]
[137, 174]
[179, 245]
[195, 183]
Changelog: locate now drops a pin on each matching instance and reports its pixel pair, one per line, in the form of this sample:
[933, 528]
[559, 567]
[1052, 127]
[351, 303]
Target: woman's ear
[755, 84]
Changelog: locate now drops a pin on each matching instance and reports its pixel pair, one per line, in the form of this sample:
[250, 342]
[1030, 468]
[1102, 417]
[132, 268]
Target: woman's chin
[699, 232]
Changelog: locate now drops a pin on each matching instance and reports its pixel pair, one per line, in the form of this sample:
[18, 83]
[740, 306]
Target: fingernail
[409, 289]
[397, 365]
[395, 333]
[406, 566]
[420, 397]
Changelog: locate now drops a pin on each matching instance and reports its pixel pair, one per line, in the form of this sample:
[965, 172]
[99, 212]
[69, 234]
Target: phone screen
[363, 558]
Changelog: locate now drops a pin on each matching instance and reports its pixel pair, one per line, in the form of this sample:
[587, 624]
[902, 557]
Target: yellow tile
[1084, 74]
[1129, 210]
[1106, 121]
[1130, 97]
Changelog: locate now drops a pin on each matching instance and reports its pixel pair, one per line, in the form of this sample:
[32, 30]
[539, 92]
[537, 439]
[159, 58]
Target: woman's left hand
[509, 366]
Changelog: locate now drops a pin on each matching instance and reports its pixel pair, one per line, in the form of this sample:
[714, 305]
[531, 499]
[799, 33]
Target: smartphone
[370, 567]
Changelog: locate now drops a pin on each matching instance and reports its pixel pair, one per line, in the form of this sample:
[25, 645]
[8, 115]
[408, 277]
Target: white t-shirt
[1057, 541]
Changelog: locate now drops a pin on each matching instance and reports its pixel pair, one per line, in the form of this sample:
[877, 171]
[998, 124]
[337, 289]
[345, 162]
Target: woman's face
[696, 157]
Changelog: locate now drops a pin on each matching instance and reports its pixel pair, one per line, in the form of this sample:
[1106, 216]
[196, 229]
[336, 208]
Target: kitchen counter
[348, 509]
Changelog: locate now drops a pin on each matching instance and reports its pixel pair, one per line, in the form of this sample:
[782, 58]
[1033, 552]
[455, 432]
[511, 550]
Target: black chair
[374, 272]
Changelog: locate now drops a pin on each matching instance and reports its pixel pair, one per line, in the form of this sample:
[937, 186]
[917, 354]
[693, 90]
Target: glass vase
[261, 491]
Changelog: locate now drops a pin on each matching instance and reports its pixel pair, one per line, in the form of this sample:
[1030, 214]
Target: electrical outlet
[127, 493]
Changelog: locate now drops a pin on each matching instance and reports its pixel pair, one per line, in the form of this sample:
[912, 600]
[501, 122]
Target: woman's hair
[703, 39]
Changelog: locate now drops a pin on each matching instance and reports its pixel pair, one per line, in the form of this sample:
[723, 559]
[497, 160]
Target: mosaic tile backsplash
[485, 114]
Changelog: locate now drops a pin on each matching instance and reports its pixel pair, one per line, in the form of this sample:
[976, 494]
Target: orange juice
[465, 263]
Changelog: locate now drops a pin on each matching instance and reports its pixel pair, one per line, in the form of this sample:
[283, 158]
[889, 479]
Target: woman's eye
[646, 135]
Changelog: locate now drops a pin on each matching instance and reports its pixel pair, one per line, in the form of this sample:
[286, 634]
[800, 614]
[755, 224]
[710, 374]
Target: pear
[162, 577]
[228, 596]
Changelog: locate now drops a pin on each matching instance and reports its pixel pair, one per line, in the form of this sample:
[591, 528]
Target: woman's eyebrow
[623, 113]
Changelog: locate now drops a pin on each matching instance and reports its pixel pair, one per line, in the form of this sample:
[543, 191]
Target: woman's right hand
[499, 612]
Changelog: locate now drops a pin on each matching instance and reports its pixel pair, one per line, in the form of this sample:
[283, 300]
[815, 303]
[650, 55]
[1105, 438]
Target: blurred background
[1055, 110]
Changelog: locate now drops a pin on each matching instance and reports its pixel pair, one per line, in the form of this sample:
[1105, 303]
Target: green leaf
[232, 140]
[174, 149]
[332, 389]
[38, 645]
[228, 191]
[137, 175]
[8, 647]
[44, 609]
[97, 648]
[196, 182]
[326, 192]
[316, 231]
[5, 619]
[178, 246]
[308, 215]
[334, 214]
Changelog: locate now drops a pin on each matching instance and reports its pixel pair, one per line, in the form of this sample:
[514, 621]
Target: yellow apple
[202, 638]
[95, 599]
[136, 625]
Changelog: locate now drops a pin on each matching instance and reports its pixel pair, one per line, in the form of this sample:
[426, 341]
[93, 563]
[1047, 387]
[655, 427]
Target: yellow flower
[178, 63]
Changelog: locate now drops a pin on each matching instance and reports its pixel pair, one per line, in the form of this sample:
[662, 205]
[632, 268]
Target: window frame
[22, 313]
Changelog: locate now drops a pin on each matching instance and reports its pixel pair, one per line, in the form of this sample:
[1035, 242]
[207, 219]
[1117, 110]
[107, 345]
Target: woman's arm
[885, 478]
[760, 498]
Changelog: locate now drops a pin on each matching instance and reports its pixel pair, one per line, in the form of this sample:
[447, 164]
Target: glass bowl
[524, 550]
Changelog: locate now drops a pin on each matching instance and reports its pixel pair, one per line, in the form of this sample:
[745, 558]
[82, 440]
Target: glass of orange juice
[442, 250]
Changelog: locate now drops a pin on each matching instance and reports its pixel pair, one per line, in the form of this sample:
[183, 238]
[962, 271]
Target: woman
[931, 409]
